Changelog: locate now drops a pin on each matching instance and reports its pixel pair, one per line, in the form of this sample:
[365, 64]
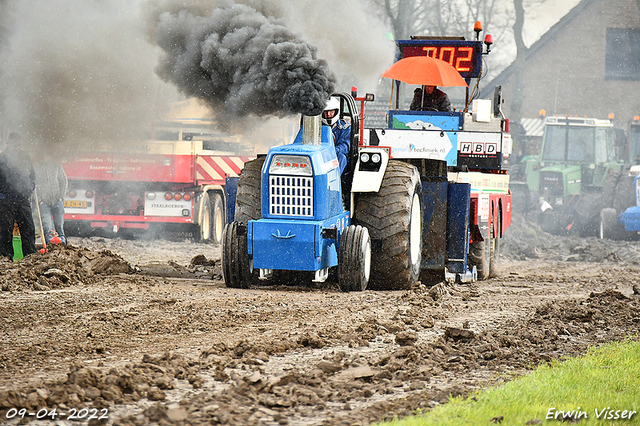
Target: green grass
[607, 376]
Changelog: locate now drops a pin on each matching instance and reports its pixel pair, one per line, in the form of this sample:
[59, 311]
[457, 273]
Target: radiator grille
[552, 184]
[291, 196]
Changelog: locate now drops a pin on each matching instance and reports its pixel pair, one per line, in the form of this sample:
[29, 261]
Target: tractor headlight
[370, 161]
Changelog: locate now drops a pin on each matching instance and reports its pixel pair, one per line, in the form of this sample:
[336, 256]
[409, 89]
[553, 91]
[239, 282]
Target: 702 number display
[464, 56]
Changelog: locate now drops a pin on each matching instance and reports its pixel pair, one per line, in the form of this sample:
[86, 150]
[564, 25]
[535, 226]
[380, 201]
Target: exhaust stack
[311, 130]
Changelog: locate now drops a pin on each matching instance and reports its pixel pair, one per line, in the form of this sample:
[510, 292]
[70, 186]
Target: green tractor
[575, 174]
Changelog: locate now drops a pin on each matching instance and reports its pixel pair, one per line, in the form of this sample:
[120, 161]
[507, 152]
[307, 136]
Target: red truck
[174, 182]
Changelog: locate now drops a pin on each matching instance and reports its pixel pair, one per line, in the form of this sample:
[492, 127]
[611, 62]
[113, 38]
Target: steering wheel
[429, 108]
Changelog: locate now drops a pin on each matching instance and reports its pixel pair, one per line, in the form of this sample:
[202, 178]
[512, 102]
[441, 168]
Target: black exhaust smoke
[237, 59]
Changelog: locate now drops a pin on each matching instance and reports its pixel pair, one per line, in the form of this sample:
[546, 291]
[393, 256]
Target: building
[588, 64]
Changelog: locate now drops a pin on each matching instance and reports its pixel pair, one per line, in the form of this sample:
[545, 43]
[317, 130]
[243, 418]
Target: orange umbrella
[426, 71]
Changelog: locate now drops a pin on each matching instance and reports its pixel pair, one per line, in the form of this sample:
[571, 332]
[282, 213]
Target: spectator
[341, 131]
[17, 181]
[428, 98]
[51, 185]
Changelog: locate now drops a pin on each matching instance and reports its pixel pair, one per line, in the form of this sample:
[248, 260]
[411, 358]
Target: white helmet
[331, 112]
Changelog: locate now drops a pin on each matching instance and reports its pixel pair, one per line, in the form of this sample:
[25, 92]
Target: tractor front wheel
[354, 254]
[236, 267]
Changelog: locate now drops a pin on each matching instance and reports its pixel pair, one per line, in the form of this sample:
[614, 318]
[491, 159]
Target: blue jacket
[342, 141]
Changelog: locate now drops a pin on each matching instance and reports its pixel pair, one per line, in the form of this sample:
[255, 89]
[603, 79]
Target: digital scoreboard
[465, 56]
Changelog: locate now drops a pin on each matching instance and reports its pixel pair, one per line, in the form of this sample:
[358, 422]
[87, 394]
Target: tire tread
[386, 214]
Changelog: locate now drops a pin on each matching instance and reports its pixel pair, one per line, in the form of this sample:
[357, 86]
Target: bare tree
[441, 17]
[517, 96]
[403, 15]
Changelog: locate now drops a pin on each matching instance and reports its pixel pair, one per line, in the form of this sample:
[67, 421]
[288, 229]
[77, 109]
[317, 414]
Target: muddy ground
[145, 332]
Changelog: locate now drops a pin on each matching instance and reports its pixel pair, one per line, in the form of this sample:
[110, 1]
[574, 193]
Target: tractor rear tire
[495, 247]
[480, 257]
[480, 254]
[236, 267]
[248, 199]
[354, 254]
[248, 207]
[393, 217]
[609, 227]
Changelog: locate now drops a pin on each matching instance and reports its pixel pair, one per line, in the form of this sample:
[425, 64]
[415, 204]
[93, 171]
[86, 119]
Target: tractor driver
[428, 98]
[341, 131]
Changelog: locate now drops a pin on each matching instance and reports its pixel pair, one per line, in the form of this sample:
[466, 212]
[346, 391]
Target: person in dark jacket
[51, 185]
[428, 98]
[17, 182]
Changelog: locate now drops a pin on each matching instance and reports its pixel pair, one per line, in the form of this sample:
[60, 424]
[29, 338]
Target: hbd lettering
[479, 148]
[603, 414]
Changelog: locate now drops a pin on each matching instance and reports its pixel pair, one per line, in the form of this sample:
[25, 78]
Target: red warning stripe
[216, 168]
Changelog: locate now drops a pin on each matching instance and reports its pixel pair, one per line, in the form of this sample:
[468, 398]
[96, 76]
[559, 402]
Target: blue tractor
[290, 212]
[624, 225]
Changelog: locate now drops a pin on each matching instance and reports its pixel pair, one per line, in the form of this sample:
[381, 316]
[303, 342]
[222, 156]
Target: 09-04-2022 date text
[53, 414]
